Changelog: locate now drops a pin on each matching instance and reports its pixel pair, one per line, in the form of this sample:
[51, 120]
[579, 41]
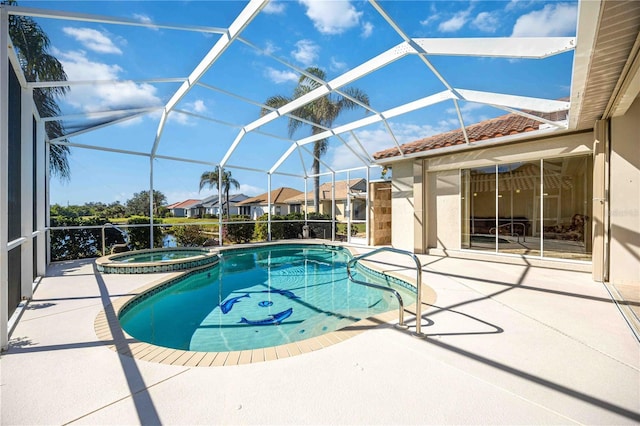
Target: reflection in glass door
[479, 208]
[518, 184]
[536, 208]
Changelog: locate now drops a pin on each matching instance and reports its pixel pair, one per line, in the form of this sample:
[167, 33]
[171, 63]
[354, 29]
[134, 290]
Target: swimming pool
[156, 260]
[259, 297]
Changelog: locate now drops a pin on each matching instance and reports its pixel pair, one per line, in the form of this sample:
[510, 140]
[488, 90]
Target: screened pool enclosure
[133, 125]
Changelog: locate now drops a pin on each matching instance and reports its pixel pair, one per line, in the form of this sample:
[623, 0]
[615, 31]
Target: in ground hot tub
[156, 260]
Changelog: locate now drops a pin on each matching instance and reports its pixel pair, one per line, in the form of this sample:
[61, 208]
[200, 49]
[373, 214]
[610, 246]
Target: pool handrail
[354, 260]
[123, 233]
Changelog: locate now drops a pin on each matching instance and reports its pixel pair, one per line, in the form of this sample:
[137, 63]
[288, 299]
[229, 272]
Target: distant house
[187, 208]
[257, 206]
[209, 205]
[356, 189]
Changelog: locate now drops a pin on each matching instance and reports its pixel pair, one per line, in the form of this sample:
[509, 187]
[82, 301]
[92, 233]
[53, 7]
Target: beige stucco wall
[625, 197]
[444, 229]
[402, 225]
[439, 183]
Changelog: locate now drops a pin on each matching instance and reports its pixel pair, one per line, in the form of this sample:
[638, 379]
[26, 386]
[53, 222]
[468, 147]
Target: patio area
[505, 344]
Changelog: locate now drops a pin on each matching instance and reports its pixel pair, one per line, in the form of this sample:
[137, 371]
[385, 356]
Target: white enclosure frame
[511, 47]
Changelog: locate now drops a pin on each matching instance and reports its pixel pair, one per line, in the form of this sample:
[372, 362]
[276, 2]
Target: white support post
[150, 203]
[306, 204]
[268, 206]
[4, 185]
[333, 206]
[26, 193]
[41, 205]
[367, 205]
[541, 218]
[47, 197]
[220, 172]
[347, 210]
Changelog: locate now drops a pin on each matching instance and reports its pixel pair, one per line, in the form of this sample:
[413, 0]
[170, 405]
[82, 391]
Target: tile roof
[277, 196]
[509, 124]
[325, 191]
[183, 204]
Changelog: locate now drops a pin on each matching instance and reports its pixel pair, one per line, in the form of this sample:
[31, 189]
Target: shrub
[68, 244]
[189, 236]
[239, 232]
[261, 229]
[293, 229]
[139, 236]
[319, 229]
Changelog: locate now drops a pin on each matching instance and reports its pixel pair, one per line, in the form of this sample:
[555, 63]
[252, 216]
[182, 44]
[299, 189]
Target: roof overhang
[606, 76]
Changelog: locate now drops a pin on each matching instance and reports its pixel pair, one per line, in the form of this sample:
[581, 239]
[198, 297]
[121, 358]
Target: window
[538, 208]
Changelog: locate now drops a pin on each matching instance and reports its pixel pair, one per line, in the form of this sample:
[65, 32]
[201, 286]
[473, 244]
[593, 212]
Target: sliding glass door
[535, 208]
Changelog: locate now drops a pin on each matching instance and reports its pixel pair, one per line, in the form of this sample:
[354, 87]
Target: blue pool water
[158, 256]
[259, 297]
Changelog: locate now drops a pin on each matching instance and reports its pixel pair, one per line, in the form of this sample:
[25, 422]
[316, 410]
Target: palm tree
[32, 45]
[212, 178]
[323, 112]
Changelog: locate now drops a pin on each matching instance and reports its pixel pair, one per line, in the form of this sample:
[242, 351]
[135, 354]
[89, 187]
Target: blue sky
[335, 36]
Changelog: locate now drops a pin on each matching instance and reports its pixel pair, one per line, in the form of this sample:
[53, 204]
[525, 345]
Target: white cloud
[145, 19]
[306, 52]
[469, 114]
[456, 22]
[178, 196]
[466, 107]
[270, 48]
[367, 29]
[518, 4]
[142, 18]
[427, 21]
[337, 65]
[377, 139]
[197, 106]
[280, 77]
[92, 40]
[101, 97]
[332, 17]
[274, 7]
[433, 16]
[250, 190]
[486, 21]
[553, 20]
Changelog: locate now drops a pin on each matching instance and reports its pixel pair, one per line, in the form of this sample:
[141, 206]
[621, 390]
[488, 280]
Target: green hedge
[139, 236]
[68, 244]
[280, 229]
[189, 235]
[238, 232]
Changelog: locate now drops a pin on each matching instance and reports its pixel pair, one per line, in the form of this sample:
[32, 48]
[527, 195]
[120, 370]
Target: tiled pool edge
[110, 265]
[124, 344]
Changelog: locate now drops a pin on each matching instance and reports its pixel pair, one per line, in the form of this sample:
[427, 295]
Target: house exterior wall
[444, 226]
[625, 198]
[276, 209]
[437, 228]
[402, 226]
[178, 212]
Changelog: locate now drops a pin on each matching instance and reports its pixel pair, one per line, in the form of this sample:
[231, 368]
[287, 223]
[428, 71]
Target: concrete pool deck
[506, 344]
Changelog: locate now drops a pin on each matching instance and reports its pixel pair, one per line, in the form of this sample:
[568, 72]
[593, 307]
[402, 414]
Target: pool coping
[109, 264]
[106, 323]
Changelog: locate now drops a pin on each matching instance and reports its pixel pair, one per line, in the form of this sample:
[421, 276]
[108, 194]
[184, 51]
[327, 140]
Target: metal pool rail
[401, 305]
